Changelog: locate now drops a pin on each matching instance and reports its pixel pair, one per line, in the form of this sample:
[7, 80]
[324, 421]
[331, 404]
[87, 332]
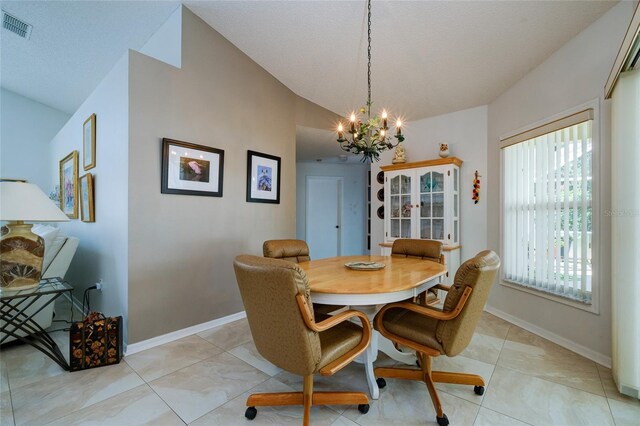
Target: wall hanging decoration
[69, 185]
[86, 198]
[476, 188]
[89, 143]
[190, 169]
[263, 178]
[380, 212]
[369, 138]
[381, 194]
[380, 177]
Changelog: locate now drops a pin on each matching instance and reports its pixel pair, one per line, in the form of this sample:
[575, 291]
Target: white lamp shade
[27, 202]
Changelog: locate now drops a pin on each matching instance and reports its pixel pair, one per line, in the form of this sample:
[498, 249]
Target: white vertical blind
[625, 233]
[548, 212]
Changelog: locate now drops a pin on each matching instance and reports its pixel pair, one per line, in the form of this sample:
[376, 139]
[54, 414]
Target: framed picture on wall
[86, 198]
[190, 169]
[263, 178]
[69, 185]
[89, 143]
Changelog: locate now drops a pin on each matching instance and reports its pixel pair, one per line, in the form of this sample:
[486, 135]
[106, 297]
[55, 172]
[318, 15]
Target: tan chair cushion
[337, 340]
[479, 273]
[268, 288]
[424, 249]
[292, 250]
[412, 326]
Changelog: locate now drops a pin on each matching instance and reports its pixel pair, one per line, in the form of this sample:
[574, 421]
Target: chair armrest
[332, 321]
[427, 311]
[441, 287]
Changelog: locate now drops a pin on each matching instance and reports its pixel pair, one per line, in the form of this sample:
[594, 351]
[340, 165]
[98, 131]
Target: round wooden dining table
[401, 278]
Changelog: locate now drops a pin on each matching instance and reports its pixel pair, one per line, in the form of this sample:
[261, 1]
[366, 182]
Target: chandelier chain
[369, 58]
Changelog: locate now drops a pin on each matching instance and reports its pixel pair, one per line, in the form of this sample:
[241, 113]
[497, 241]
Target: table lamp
[22, 251]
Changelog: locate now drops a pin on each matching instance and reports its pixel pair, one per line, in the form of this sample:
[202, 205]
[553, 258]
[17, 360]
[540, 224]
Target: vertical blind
[547, 210]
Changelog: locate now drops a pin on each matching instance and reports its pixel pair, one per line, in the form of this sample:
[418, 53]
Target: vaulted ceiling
[429, 57]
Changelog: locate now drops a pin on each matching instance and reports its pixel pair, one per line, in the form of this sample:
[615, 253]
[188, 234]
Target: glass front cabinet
[422, 200]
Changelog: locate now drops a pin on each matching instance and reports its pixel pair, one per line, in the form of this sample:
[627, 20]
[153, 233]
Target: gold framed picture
[89, 143]
[69, 185]
[86, 198]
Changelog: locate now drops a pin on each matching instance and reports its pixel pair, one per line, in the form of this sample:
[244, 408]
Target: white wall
[573, 75]
[354, 204]
[27, 127]
[166, 43]
[466, 133]
[102, 253]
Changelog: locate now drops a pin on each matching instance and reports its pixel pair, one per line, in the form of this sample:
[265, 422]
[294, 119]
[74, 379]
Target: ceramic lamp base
[21, 260]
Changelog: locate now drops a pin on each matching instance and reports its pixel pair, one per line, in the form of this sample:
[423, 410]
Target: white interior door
[324, 207]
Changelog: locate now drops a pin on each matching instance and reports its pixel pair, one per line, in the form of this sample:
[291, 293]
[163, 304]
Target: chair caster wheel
[251, 413]
[479, 390]
[442, 421]
[381, 383]
[363, 408]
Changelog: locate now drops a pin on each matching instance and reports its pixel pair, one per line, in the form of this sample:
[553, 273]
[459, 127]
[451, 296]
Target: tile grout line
[606, 397]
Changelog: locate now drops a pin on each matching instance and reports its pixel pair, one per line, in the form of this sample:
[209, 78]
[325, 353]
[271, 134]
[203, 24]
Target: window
[548, 208]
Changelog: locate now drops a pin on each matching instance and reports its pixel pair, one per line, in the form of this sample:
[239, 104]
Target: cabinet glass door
[400, 206]
[431, 193]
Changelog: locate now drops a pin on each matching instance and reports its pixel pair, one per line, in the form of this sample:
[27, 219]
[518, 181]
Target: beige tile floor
[205, 379]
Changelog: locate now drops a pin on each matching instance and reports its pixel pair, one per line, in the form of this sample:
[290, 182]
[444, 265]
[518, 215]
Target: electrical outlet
[99, 285]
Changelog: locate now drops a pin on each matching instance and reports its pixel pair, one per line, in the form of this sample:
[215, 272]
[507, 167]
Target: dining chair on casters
[294, 251]
[423, 249]
[432, 332]
[275, 294]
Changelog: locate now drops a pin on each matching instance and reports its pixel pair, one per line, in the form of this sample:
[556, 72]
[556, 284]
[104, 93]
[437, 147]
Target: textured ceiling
[429, 57]
[74, 44]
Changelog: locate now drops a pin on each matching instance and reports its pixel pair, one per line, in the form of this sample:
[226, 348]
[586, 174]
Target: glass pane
[395, 206]
[395, 228]
[438, 229]
[455, 231]
[406, 228]
[455, 205]
[438, 205]
[425, 182]
[406, 206]
[425, 228]
[425, 205]
[405, 185]
[455, 179]
[437, 182]
[395, 185]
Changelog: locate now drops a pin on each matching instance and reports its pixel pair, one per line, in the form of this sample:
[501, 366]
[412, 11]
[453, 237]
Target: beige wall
[181, 248]
[573, 75]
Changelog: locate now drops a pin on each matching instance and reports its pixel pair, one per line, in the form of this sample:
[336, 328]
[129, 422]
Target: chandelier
[371, 137]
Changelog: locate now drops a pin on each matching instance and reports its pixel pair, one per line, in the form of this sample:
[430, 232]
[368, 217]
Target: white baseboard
[179, 334]
[558, 340]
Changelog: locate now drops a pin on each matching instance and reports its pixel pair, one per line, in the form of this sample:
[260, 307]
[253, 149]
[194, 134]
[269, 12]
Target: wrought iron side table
[13, 316]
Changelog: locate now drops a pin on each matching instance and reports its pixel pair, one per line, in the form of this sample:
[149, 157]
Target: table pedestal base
[379, 343]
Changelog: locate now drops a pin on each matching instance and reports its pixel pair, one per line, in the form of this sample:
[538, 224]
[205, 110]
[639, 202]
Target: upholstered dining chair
[433, 332]
[275, 294]
[423, 249]
[294, 251]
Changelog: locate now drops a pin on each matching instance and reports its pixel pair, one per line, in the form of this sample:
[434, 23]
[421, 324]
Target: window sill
[591, 308]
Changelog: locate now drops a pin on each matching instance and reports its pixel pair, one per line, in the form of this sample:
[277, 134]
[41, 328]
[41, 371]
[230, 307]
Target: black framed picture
[263, 178]
[190, 169]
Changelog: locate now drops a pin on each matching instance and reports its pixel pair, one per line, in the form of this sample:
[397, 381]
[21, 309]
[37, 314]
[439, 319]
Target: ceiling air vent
[16, 26]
